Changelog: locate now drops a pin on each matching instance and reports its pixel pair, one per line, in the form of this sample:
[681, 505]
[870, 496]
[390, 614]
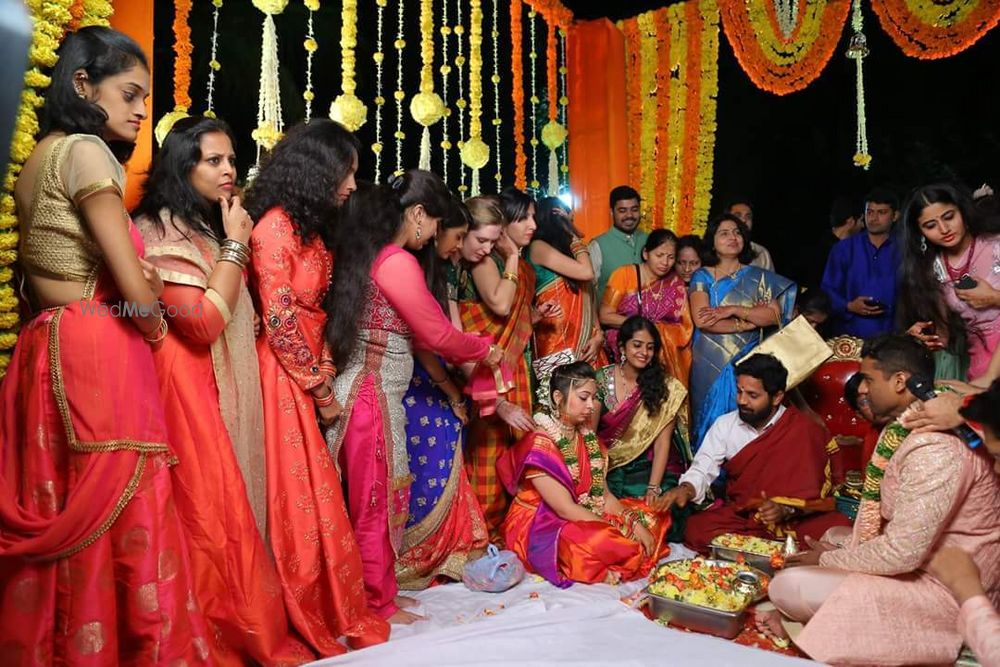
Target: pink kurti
[936, 492]
[369, 438]
[979, 625]
[982, 326]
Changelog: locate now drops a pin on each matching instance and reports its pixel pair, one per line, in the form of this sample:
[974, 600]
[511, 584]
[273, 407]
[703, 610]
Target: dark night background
[791, 155]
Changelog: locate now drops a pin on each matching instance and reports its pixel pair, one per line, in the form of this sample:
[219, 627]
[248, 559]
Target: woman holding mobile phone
[951, 266]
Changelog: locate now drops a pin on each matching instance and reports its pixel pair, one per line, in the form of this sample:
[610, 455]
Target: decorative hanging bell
[858, 48]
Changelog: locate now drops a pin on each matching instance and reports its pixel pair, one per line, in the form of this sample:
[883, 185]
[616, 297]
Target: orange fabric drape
[135, 19]
[598, 157]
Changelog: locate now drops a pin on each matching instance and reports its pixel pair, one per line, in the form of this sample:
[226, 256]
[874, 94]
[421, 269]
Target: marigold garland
[555, 12]
[270, 125]
[517, 92]
[213, 63]
[96, 12]
[932, 29]
[775, 62]
[379, 58]
[672, 71]
[182, 71]
[426, 107]
[475, 152]
[347, 109]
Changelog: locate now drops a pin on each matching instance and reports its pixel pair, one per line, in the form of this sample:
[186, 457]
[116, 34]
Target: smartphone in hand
[966, 282]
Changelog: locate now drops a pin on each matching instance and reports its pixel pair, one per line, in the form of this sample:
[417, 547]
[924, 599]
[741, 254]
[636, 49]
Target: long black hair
[302, 174]
[651, 379]
[515, 204]
[100, 52]
[923, 299]
[434, 268]
[554, 226]
[709, 255]
[371, 219]
[168, 185]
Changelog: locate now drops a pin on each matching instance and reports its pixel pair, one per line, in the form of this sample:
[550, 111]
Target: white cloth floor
[535, 624]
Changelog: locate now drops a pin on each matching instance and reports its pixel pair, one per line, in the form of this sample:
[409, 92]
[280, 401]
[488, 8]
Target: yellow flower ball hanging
[311, 5]
[266, 135]
[166, 123]
[553, 135]
[349, 111]
[475, 153]
[271, 6]
[427, 108]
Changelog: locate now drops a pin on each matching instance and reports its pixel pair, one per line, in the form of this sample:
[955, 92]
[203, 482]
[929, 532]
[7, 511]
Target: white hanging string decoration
[379, 58]
[310, 46]
[495, 36]
[213, 64]
[533, 57]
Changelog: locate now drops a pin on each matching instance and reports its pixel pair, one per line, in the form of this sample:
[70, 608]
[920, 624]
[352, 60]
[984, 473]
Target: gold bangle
[509, 275]
[746, 313]
[159, 333]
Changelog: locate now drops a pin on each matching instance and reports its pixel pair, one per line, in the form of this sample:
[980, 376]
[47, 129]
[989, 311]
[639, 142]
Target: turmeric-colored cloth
[662, 301]
[565, 551]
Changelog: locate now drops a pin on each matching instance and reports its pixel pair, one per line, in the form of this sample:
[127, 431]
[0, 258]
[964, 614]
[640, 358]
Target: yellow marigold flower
[310, 45]
[311, 5]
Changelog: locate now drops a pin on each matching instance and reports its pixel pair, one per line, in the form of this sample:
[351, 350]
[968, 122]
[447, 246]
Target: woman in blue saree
[734, 306]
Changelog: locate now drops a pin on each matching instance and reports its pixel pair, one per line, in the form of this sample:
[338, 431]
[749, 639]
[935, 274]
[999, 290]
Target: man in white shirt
[776, 464]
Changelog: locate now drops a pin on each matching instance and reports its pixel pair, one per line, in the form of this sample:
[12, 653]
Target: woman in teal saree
[734, 307]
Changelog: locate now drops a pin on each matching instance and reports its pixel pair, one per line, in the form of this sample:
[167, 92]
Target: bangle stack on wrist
[509, 275]
[233, 251]
[159, 333]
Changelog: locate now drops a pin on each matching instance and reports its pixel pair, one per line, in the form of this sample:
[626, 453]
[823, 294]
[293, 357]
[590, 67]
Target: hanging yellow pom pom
[427, 108]
[310, 45]
[475, 153]
[271, 6]
[166, 123]
[311, 5]
[553, 135]
[349, 111]
[267, 135]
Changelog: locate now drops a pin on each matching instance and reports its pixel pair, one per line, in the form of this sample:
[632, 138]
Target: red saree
[314, 548]
[235, 580]
[489, 437]
[575, 326]
[789, 460]
[94, 569]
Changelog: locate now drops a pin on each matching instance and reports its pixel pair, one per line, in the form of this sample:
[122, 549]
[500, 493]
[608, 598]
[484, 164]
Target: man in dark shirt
[845, 220]
[860, 274]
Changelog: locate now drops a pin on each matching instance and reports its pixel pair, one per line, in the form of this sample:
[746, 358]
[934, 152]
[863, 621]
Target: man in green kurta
[621, 244]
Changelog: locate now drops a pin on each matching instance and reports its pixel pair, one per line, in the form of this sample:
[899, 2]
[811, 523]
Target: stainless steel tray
[762, 563]
[725, 624]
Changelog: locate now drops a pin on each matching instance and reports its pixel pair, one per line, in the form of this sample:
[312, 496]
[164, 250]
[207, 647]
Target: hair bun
[396, 181]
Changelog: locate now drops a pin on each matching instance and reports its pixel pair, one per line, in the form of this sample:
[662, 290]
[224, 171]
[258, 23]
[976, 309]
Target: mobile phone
[929, 330]
[966, 282]
[874, 303]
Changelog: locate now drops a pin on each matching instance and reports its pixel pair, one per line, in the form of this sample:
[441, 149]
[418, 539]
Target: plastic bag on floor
[493, 573]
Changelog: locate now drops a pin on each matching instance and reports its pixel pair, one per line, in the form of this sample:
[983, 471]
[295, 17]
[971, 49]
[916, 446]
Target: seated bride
[564, 524]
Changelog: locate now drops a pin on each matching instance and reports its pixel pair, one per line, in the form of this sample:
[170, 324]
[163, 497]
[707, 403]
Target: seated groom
[872, 601]
[776, 464]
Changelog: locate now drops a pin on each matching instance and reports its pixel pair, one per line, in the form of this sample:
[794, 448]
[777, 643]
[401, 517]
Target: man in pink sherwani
[872, 600]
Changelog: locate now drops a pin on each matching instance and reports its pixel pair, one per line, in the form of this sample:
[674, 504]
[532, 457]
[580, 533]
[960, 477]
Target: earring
[555, 412]
[621, 364]
[79, 91]
[923, 244]
[419, 233]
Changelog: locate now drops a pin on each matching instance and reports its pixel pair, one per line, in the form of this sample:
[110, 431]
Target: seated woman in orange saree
[564, 524]
[210, 383]
[93, 564]
[662, 299]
